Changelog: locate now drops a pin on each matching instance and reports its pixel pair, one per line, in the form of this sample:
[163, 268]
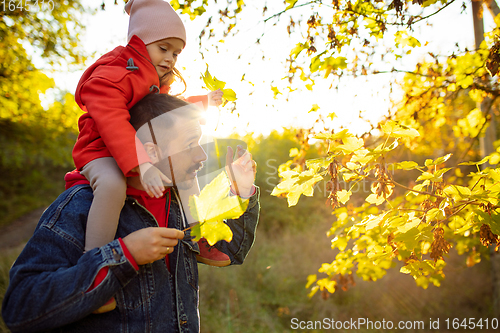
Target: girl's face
[163, 54]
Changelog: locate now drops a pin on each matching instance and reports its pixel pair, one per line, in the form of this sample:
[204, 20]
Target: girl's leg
[109, 186]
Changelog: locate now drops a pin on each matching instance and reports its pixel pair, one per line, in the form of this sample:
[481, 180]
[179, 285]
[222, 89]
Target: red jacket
[106, 91]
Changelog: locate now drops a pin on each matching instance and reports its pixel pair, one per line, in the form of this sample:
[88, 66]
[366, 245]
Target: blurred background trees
[37, 120]
[450, 96]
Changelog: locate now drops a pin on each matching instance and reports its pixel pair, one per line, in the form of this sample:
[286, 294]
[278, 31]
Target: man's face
[184, 154]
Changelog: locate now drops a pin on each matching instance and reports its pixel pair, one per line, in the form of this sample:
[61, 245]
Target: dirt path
[20, 230]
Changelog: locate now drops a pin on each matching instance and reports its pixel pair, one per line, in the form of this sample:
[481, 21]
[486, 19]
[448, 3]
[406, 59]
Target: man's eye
[163, 49]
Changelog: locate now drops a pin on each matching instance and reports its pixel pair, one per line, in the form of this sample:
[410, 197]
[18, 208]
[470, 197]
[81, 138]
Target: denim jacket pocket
[190, 263]
[140, 289]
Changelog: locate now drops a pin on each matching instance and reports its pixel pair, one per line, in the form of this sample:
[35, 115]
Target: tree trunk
[486, 141]
[492, 7]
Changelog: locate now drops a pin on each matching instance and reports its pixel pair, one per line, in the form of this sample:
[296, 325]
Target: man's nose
[199, 154]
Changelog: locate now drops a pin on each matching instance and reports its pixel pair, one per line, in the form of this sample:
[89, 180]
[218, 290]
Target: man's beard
[186, 183]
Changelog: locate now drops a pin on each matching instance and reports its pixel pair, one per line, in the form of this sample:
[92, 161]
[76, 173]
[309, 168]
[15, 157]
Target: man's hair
[152, 106]
[153, 117]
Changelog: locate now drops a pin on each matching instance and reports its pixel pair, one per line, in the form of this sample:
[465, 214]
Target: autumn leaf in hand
[212, 207]
[213, 84]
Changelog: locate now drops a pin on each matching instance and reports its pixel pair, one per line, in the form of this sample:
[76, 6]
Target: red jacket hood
[135, 44]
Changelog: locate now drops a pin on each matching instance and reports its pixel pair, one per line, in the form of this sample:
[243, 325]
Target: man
[150, 270]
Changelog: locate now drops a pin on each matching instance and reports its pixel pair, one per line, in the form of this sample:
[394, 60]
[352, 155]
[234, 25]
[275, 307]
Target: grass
[22, 192]
[7, 258]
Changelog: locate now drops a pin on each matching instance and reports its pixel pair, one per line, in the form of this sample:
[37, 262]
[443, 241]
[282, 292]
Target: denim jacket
[49, 280]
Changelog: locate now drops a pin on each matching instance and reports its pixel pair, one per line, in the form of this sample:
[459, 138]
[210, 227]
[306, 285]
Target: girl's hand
[215, 97]
[152, 180]
[150, 244]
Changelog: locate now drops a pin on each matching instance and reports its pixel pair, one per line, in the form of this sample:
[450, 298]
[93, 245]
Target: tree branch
[437, 11]
[392, 182]
[285, 10]
[409, 23]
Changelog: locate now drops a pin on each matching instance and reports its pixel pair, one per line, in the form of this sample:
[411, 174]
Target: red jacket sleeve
[101, 275]
[107, 104]
[198, 99]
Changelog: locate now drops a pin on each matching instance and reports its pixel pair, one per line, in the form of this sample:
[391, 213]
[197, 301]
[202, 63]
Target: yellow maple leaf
[212, 207]
[343, 196]
[351, 144]
[398, 131]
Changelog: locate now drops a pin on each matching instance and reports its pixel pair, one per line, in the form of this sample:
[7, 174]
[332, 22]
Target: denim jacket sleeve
[50, 279]
[243, 229]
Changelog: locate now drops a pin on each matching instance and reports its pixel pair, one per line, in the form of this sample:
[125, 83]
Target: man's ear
[153, 152]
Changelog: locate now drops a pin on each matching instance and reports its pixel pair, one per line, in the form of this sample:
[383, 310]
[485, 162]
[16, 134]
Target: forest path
[20, 230]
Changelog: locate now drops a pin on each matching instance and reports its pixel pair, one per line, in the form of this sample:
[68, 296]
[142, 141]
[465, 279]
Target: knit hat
[153, 20]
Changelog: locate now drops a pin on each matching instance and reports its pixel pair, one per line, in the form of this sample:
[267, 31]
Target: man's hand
[150, 244]
[152, 180]
[241, 172]
[215, 97]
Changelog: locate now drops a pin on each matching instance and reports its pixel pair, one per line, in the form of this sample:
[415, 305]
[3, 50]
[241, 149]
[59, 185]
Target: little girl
[105, 151]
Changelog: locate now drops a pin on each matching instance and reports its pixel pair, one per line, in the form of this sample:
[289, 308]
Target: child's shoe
[209, 255]
[109, 306]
